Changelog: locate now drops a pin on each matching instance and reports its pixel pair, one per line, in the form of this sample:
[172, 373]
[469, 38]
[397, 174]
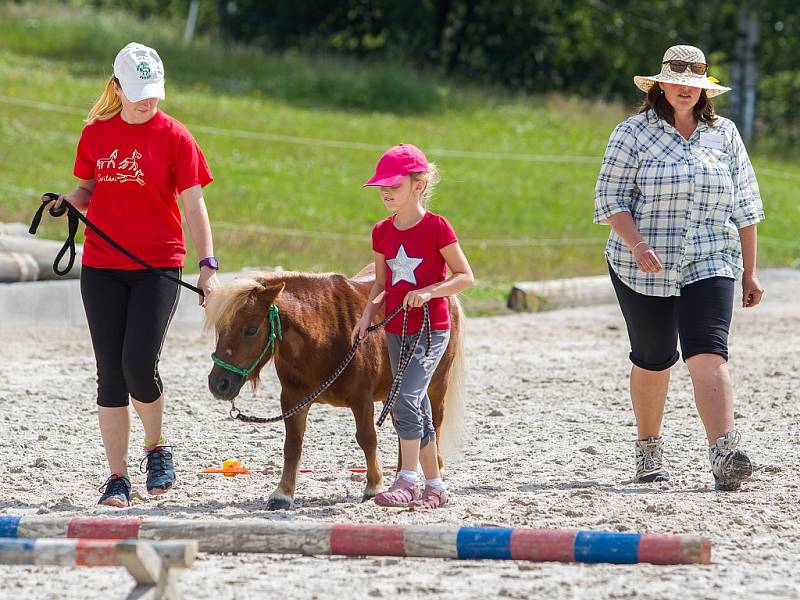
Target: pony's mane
[229, 299]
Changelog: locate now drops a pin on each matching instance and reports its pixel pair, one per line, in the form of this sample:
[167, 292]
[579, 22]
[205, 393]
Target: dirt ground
[550, 445]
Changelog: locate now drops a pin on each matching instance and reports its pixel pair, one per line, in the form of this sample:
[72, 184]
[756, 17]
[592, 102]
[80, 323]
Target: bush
[778, 124]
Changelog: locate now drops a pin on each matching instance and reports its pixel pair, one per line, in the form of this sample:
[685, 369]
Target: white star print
[403, 267]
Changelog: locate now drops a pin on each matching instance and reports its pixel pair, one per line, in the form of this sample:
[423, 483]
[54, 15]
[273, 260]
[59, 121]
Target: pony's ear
[269, 293]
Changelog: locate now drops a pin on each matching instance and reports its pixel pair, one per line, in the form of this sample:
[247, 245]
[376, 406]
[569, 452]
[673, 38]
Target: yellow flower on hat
[713, 79]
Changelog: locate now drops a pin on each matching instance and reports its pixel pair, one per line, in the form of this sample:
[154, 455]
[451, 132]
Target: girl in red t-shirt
[132, 163]
[413, 250]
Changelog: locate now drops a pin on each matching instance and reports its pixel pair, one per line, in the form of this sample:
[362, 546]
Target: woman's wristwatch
[210, 262]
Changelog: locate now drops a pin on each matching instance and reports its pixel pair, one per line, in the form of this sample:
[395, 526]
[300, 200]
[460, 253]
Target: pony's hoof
[279, 503]
[370, 493]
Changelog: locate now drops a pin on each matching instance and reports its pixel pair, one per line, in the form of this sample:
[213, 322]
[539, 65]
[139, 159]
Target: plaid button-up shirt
[688, 198]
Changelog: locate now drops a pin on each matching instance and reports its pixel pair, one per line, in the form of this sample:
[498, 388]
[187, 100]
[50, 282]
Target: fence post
[744, 74]
[191, 21]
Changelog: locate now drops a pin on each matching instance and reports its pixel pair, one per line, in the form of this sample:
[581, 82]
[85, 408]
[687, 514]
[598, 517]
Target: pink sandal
[401, 494]
[432, 498]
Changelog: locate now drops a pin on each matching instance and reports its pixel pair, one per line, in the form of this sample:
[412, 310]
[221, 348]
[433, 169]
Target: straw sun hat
[682, 54]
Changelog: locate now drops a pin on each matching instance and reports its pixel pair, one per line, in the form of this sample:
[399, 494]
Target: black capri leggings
[701, 316]
[128, 313]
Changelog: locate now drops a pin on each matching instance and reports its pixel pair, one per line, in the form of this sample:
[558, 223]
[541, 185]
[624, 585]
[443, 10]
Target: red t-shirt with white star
[139, 171]
[414, 261]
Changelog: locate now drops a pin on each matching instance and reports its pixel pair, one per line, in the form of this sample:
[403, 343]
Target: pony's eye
[251, 330]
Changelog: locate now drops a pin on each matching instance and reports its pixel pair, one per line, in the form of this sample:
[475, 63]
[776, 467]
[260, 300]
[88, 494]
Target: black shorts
[128, 313]
[700, 317]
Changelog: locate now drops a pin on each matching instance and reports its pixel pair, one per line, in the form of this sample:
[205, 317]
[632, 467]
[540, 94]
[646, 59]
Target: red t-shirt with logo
[414, 261]
[139, 171]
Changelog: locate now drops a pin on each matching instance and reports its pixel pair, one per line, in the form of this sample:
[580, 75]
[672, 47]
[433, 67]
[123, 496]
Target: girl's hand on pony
[416, 298]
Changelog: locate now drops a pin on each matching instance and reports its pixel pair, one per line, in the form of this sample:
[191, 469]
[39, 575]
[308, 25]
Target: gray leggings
[412, 409]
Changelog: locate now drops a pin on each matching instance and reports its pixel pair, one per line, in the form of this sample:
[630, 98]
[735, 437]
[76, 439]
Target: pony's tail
[452, 431]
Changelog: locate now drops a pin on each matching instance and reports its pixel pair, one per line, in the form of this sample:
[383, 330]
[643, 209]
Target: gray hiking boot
[729, 465]
[650, 461]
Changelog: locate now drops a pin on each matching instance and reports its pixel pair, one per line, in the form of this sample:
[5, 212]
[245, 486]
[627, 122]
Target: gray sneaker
[729, 465]
[650, 461]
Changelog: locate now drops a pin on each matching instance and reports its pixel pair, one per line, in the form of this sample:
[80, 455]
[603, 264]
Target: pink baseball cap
[396, 163]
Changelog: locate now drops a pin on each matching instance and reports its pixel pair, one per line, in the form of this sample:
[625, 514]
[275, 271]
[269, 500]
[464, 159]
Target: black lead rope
[69, 244]
[405, 359]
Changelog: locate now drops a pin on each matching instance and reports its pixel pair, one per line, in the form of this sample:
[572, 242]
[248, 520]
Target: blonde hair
[229, 299]
[222, 307]
[431, 178]
[108, 104]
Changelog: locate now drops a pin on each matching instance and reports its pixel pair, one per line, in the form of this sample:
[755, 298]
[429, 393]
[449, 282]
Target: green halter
[274, 333]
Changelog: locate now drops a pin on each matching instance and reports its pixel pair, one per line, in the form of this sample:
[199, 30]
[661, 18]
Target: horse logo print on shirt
[127, 170]
[403, 267]
[108, 163]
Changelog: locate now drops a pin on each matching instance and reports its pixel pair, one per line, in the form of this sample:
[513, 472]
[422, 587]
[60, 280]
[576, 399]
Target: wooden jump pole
[150, 563]
[282, 537]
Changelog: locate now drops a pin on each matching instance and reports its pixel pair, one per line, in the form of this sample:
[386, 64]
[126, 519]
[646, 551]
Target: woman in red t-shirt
[132, 163]
[413, 250]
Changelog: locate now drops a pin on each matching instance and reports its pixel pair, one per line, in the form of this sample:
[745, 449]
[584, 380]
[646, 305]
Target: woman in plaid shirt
[680, 194]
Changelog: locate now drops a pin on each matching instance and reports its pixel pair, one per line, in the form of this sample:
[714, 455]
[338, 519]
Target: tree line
[590, 48]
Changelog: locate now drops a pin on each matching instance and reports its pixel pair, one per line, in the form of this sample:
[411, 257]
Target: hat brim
[379, 180]
[712, 89]
[135, 93]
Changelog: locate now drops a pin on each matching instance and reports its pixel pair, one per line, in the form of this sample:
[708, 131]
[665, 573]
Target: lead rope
[69, 244]
[406, 354]
[235, 413]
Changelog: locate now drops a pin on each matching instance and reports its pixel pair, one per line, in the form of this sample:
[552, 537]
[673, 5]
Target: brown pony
[317, 314]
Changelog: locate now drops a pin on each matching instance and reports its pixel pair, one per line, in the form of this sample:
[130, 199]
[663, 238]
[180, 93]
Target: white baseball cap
[140, 72]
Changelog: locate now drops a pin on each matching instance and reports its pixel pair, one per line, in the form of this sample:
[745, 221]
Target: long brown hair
[655, 100]
[108, 104]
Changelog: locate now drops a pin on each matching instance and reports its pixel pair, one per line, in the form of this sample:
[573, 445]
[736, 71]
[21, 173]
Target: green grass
[267, 184]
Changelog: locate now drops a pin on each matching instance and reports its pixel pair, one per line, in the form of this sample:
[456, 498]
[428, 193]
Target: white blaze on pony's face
[238, 313]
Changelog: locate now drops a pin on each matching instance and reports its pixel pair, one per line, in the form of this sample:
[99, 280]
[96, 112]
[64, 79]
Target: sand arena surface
[550, 446]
